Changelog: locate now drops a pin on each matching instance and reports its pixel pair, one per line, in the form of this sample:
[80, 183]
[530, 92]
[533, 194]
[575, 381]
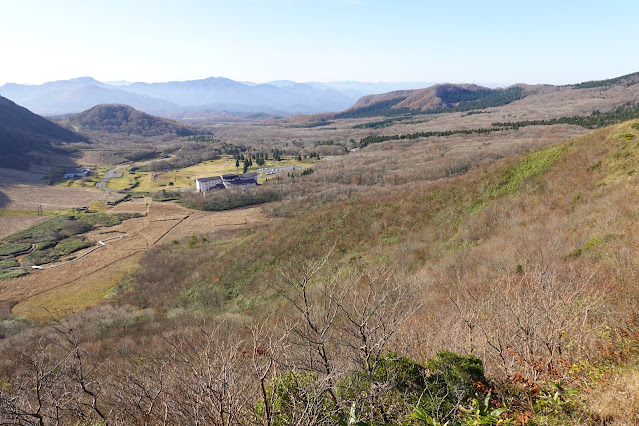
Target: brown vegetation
[380, 260]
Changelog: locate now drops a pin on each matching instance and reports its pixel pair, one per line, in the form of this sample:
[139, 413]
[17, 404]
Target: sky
[504, 42]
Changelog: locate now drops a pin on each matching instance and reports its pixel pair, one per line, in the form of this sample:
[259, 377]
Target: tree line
[368, 140]
[597, 119]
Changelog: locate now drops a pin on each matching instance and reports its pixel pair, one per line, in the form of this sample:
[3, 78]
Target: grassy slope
[566, 208]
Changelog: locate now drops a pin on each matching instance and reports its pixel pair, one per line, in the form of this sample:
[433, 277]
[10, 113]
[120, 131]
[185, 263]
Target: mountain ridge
[22, 131]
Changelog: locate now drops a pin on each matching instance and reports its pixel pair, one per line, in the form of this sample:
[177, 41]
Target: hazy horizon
[322, 41]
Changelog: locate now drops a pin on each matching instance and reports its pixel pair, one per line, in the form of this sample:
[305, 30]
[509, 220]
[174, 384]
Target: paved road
[114, 172]
[110, 174]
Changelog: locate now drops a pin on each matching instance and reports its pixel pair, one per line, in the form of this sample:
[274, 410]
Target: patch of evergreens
[384, 108]
[379, 124]
[486, 99]
[466, 100]
[364, 142]
[602, 83]
[201, 138]
[311, 125]
[597, 119]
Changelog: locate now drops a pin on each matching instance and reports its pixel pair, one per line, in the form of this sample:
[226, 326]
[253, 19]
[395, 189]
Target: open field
[86, 282]
[185, 178]
[52, 198]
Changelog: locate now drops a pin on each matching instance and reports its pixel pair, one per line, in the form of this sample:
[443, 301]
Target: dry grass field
[86, 282]
[9, 224]
[51, 198]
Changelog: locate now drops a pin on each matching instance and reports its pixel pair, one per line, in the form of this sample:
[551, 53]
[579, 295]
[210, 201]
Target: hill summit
[434, 99]
[116, 118]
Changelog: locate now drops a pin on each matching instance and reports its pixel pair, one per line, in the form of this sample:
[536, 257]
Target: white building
[208, 183]
[226, 181]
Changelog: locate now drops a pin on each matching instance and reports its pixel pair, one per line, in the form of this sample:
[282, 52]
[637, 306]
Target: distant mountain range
[22, 131]
[183, 97]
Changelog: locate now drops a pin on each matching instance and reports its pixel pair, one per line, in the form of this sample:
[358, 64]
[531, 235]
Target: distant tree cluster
[311, 125]
[608, 82]
[324, 143]
[379, 124]
[384, 108]
[201, 138]
[368, 140]
[466, 100]
[234, 150]
[486, 99]
[597, 119]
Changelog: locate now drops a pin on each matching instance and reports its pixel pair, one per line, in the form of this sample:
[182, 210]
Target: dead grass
[202, 223]
[11, 224]
[88, 290]
[616, 403]
[29, 197]
[85, 282]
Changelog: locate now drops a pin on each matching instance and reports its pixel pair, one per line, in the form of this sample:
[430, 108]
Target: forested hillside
[127, 120]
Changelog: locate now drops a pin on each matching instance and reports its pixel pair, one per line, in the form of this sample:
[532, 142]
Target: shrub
[11, 249]
[8, 263]
[295, 395]
[226, 199]
[398, 384]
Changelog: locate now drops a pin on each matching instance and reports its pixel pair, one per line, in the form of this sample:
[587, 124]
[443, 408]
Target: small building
[76, 173]
[226, 181]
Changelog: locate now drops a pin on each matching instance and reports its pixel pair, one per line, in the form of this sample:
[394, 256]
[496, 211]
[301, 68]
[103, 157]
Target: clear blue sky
[318, 40]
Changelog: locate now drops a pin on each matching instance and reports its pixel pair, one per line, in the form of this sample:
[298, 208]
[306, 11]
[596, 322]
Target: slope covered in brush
[127, 120]
[22, 131]
[527, 270]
